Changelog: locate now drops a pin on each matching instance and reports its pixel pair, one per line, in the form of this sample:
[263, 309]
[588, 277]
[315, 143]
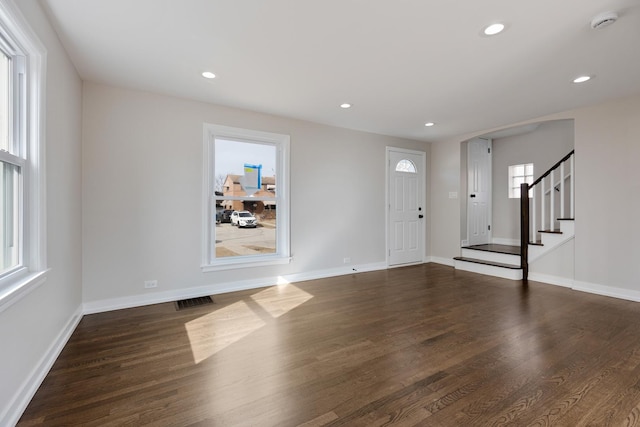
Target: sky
[230, 157]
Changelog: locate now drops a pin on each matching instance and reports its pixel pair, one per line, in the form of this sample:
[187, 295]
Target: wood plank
[419, 345]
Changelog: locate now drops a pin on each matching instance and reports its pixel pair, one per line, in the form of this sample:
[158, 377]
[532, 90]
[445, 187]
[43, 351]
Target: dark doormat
[193, 302]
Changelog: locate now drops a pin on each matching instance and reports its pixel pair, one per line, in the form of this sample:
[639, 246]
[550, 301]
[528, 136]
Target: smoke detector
[604, 19]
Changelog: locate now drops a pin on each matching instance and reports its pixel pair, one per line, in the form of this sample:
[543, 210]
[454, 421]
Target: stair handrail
[551, 169]
[524, 212]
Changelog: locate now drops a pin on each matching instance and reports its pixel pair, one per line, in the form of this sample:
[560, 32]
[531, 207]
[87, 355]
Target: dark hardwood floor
[422, 345]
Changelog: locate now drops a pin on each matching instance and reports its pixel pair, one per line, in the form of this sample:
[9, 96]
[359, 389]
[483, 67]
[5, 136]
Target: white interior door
[406, 211]
[479, 189]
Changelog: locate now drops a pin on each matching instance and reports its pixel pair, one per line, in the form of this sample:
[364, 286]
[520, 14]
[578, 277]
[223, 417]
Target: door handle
[472, 195]
[420, 216]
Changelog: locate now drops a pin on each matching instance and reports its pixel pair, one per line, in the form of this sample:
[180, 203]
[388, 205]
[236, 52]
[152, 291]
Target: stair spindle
[533, 235]
[562, 190]
[572, 187]
[552, 199]
[524, 230]
[542, 206]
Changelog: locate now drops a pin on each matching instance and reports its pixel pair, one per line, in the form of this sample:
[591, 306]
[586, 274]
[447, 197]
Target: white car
[243, 219]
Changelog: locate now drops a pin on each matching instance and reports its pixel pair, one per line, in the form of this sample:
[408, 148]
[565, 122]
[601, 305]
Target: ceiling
[399, 63]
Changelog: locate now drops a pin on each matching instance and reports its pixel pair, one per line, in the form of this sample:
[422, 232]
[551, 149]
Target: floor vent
[193, 302]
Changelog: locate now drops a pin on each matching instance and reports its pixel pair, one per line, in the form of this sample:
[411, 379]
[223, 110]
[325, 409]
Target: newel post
[524, 230]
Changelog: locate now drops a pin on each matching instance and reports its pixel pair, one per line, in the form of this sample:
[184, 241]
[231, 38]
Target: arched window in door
[406, 165]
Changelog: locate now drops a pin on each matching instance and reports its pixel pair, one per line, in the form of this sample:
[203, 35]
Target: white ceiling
[401, 63]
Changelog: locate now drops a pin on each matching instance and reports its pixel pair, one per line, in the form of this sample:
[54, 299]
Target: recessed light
[208, 75]
[494, 29]
[345, 105]
[582, 79]
[429, 124]
[603, 20]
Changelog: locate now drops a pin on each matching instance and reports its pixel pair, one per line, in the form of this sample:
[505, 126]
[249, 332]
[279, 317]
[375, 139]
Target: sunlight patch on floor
[279, 300]
[215, 331]
[282, 281]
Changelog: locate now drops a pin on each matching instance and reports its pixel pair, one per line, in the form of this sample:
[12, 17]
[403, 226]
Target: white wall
[607, 202]
[543, 147]
[142, 186]
[32, 328]
[445, 212]
[607, 211]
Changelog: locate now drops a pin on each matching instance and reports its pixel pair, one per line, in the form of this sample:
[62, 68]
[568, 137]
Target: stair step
[504, 254]
[492, 247]
[496, 269]
[550, 231]
[536, 243]
[485, 262]
[566, 219]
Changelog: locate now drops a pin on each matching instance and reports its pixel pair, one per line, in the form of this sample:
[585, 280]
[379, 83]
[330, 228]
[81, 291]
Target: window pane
[519, 174]
[406, 166]
[9, 215]
[245, 227]
[245, 168]
[4, 103]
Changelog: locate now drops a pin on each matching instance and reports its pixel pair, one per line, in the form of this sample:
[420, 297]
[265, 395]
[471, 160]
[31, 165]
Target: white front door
[479, 191]
[406, 210]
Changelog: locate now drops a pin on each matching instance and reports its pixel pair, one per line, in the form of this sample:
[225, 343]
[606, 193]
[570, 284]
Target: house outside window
[246, 198]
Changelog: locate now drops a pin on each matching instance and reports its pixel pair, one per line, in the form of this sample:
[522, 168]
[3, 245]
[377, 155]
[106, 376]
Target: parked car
[243, 219]
[223, 216]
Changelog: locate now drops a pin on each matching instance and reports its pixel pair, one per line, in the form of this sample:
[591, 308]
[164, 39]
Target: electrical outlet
[347, 260]
[148, 284]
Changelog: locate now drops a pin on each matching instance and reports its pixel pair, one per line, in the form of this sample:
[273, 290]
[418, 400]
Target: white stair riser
[536, 251]
[490, 270]
[551, 241]
[491, 256]
[567, 227]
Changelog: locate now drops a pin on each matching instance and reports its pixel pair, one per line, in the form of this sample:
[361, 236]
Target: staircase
[552, 204]
[506, 261]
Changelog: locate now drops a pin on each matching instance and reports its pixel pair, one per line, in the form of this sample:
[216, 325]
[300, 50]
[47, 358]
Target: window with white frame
[246, 198]
[519, 174]
[22, 201]
[406, 165]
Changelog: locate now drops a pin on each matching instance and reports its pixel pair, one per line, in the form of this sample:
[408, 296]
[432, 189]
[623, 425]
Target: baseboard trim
[551, 280]
[444, 261]
[590, 288]
[111, 304]
[576, 285]
[18, 405]
[607, 291]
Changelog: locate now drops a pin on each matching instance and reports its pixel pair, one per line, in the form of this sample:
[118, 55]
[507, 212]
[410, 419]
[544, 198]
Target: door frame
[490, 187]
[387, 202]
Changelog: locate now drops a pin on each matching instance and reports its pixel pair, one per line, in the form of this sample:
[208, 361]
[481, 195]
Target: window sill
[14, 287]
[244, 263]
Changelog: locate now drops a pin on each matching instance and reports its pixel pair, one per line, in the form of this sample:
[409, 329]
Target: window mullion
[12, 159]
[240, 198]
